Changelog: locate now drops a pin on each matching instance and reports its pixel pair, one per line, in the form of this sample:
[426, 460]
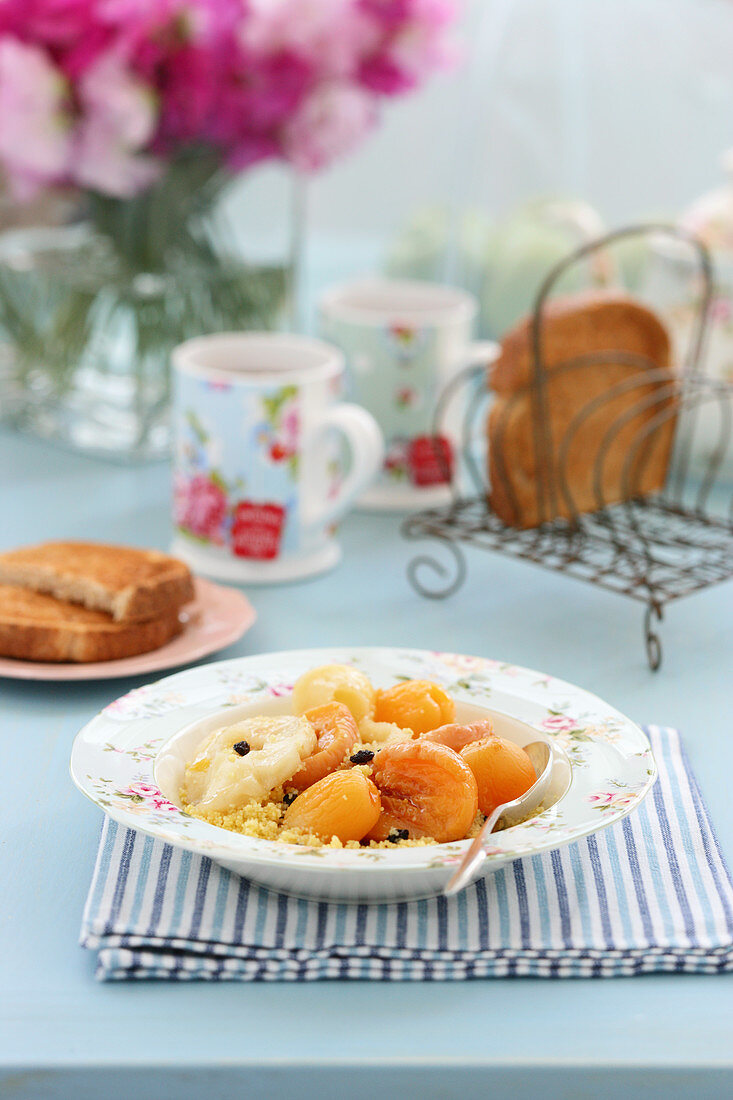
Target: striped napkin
[650, 893]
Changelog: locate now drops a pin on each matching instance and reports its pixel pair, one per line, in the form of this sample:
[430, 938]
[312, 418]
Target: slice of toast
[132, 585]
[597, 412]
[36, 627]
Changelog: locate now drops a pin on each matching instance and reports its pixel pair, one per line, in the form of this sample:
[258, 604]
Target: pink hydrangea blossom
[332, 35]
[35, 138]
[331, 122]
[119, 120]
[101, 93]
[415, 44]
[51, 22]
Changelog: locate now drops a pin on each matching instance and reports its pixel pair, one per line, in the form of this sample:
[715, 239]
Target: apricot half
[336, 733]
[420, 705]
[457, 735]
[503, 771]
[344, 804]
[425, 788]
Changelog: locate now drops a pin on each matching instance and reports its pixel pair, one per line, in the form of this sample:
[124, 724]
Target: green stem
[90, 332]
[166, 219]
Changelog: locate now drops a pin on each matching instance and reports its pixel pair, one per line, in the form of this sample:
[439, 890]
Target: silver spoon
[542, 758]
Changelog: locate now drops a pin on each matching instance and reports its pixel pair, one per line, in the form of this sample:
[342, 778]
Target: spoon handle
[474, 857]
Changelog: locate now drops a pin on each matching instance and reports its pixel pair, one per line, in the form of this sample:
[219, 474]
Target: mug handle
[366, 444]
[481, 351]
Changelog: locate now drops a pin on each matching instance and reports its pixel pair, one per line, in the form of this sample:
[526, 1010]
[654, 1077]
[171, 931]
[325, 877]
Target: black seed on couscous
[363, 756]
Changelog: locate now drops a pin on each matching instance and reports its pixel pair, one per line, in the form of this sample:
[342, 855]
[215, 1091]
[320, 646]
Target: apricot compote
[456, 735]
[345, 804]
[425, 788]
[502, 770]
[336, 733]
[419, 705]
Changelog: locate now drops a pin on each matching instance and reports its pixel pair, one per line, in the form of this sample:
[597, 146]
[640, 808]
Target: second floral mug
[259, 479]
[404, 340]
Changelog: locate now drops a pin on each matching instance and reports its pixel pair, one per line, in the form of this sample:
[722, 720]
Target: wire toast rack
[652, 546]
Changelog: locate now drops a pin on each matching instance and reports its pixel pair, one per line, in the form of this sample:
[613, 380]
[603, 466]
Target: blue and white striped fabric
[651, 893]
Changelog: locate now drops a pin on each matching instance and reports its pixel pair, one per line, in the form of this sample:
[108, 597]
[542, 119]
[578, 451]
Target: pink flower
[251, 149]
[143, 790]
[35, 143]
[331, 34]
[390, 13]
[200, 506]
[384, 75]
[102, 92]
[415, 44]
[331, 121]
[119, 120]
[610, 798]
[150, 794]
[430, 16]
[161, 803]
[558, 723]
[53, 22]
[290, 427]
[280, 689]
[273, 90]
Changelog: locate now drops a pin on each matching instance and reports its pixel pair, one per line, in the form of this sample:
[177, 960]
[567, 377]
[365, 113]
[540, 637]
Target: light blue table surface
[64, 1035]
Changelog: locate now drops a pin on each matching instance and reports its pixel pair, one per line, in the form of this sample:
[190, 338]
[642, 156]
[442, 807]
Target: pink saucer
[217, 617]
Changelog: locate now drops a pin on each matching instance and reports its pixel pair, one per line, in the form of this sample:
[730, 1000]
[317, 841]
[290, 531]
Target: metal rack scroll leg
[651, 638]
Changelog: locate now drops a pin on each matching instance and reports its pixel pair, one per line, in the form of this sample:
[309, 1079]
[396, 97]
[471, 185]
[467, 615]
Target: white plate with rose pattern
[129, 760]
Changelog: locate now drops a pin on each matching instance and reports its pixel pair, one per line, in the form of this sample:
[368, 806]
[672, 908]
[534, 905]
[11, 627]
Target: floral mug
[404, 341]
[259, 479]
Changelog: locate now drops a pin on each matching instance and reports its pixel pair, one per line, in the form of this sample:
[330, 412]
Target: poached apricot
[420, 705]
[336, 733]
[425, 788]
[345, 804]
[502, 770]
[456, 735]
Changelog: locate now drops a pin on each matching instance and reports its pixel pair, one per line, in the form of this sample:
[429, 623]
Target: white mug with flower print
[404, 340]
[258, 472]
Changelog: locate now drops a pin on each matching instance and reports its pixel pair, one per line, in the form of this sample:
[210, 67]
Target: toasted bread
[133, 586]
[36, 627]
[622, 398]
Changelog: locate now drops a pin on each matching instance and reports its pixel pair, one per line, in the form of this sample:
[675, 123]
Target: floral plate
[130, 758]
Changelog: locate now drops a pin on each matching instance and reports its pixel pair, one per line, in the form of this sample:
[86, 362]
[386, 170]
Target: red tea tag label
[430, 460]
[257, 530]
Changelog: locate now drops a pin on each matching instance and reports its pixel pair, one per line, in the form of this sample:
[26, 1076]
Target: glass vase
[89, 312]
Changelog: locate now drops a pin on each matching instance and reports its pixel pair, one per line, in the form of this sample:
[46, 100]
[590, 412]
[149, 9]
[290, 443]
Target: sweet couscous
[353, 767]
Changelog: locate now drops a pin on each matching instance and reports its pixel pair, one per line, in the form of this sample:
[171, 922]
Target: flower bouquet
[152, 109]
